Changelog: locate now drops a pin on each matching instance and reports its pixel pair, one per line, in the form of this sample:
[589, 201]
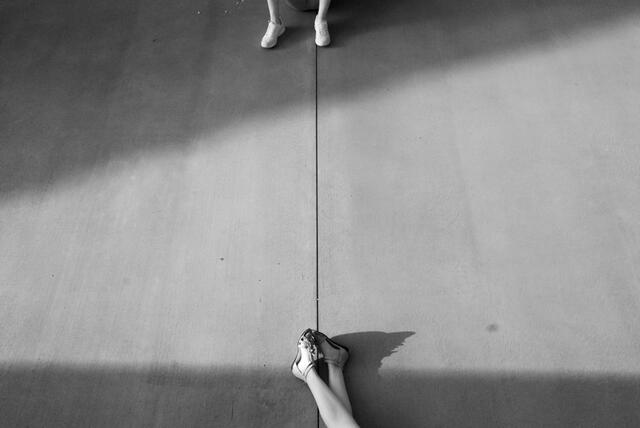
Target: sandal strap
[324, 338]
[311, 365]
[307, 339]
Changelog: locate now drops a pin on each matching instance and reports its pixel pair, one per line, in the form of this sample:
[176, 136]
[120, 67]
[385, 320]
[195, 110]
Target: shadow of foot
[369, 348]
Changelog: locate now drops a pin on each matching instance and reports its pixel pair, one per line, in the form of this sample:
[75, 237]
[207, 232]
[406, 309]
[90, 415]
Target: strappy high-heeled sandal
[306, 343]
[332, 352]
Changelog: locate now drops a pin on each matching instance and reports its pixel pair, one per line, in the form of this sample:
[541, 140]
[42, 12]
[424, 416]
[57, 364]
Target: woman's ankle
[312, 373]
[334, 370]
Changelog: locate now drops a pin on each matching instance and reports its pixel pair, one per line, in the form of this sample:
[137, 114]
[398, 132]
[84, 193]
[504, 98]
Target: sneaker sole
[322, 45]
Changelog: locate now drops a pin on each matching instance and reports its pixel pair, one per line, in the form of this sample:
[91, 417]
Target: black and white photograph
[319, 213]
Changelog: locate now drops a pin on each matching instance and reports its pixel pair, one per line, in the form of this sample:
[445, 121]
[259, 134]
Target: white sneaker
[322, 33]
[270, 38]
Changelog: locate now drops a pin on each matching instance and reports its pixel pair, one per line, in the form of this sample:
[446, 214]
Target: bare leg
[337, 385]
[323, 8]
[275, 27]
[274, 11]
[322, 28]
[333, 412]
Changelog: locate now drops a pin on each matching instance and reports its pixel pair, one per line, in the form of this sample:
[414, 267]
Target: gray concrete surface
[477, 213]
[479, 200]
[157, 224]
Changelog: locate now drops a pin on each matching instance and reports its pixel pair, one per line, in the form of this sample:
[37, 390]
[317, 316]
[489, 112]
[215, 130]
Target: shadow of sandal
[367, 350]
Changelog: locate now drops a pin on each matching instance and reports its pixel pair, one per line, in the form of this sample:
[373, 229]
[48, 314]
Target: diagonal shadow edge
[159, 83]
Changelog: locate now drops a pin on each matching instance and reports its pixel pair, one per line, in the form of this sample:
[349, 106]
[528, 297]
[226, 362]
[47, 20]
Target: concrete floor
[471, 169]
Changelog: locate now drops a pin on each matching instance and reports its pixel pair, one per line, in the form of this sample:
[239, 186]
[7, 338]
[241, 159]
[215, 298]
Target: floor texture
[452, 189]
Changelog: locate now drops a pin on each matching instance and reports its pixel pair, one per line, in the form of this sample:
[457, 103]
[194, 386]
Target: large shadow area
[66, 396]
[59, 396]
[88, 83]
[410, 398]
[458, 399]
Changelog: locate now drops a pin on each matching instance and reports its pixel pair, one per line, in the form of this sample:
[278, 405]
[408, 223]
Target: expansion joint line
[317, 216]
[317, 213]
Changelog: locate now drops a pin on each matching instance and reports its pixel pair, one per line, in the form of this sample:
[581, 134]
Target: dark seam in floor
[316, 177]
[317, 222]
